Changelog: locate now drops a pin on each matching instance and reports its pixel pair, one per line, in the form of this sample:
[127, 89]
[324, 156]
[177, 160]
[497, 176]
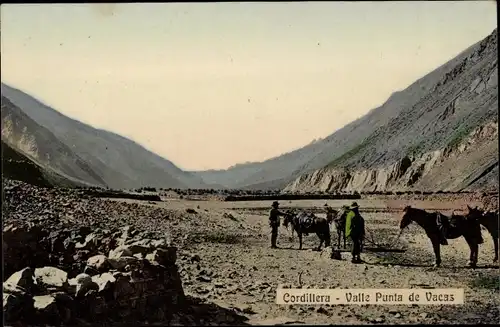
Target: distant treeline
[120, 195]
[251, 195]
[284, 197]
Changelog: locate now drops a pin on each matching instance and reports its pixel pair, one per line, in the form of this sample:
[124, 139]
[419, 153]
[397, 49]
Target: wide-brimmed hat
[275, 204]
[354, 205]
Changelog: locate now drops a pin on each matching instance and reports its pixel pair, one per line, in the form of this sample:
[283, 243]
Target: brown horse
[304, 223]
[489, 219]
[456, 226]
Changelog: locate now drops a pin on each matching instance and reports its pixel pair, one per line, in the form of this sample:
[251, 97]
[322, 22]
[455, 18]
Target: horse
[331, 214]
[304, 224]
[454, 227]
[489, 219]
[339, 219]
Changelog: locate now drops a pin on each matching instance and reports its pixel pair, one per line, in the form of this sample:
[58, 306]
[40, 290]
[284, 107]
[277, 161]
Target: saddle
[449, 226]
[305, 221]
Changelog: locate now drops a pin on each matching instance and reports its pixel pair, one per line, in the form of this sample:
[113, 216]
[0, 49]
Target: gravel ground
[225, 259]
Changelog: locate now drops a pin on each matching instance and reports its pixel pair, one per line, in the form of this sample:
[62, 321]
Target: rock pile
[71, 258]
[65, 275]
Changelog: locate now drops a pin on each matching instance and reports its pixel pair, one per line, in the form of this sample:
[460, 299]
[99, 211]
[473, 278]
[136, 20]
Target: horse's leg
[345, 241]
[495, 244]
[320, 239]
[300, 240]
[437, 250]
[474, 249]
[328, 239]
[494, 236]
[338, 239]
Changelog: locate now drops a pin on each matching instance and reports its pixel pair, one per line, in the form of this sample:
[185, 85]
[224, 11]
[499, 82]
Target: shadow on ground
[194, 313]
[211, 313]
[407, 264]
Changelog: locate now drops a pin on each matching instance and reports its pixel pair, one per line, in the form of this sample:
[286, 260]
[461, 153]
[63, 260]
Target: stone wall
[64, 275]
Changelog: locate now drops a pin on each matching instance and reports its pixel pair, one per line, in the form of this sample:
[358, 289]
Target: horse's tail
[326, 233]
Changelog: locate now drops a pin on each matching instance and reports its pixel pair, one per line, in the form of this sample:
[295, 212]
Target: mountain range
[87, 154]
[440, 133]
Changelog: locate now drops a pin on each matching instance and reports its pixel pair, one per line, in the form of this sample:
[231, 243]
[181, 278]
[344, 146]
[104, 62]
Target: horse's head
[474, 213]
[289, 214]
[407, 217]
[331, 214]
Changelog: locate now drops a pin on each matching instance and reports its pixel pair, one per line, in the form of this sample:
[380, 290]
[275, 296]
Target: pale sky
[209, 85]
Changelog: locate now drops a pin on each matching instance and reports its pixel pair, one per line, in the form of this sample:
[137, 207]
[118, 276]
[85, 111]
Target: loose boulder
[51, 279]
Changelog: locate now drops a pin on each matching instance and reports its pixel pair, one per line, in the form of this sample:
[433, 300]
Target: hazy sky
[208, 85]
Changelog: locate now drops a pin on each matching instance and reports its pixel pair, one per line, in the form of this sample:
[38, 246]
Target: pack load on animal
[306, 220]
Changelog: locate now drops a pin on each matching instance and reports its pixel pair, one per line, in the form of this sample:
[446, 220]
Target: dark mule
[489, 219]
[304, 223]
[454, 227]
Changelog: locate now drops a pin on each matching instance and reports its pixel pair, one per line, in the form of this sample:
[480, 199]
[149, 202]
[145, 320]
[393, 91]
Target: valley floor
[238, 269]
[224, 256]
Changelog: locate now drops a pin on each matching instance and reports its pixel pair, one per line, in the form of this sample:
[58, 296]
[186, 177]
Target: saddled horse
[454, 227]
[304, 224]
[490, 220]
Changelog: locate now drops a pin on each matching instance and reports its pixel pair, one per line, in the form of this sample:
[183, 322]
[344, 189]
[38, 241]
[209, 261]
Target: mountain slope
[447, 140]
[17, 166]
[39, 145]
[118, 161]
[436, 97]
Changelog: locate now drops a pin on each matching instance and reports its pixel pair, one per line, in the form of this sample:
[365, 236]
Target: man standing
[274, 222]
[355, 229]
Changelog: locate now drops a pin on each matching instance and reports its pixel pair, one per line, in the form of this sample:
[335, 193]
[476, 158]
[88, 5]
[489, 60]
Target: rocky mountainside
[17, 166]
[436, 114]
[23, 140]
[82, 152]
[447, 140]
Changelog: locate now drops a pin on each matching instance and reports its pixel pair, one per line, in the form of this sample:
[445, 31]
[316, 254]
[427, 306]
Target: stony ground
[245, 272]
[224, 257]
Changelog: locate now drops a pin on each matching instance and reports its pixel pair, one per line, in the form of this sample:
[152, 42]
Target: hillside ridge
[120, 163]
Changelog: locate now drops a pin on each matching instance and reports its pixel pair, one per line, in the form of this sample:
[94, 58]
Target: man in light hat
[355, 229]
[274, 222]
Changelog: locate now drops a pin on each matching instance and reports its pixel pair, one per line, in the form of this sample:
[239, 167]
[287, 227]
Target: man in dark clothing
[355, 229]
[274, 222]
